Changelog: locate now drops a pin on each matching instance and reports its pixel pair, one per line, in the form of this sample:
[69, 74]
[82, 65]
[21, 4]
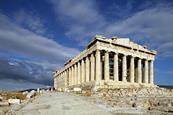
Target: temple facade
[108, 63]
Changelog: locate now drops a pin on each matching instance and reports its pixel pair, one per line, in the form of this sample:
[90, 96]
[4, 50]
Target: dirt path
[61, 104]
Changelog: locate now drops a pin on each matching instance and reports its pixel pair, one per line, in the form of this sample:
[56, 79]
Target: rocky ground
[153, 101]
[59, 103]
[146, 100]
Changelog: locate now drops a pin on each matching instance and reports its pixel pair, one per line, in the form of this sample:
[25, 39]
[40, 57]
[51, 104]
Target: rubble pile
[149, 99]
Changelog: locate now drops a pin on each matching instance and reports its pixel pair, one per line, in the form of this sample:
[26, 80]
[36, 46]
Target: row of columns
[85, 70]
[90, 70]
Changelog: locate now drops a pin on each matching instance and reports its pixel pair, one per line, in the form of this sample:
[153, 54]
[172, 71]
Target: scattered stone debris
[14, 101]
[146, 99]
[1, 98]
[4, 103]
[38, 90]
[31, 94]
[77, 89]
[25, 93]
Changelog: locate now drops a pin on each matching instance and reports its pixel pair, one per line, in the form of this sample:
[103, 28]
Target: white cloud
[30, 20]
[151, 26]
[15, 39]
[80, 18]
[21, 39]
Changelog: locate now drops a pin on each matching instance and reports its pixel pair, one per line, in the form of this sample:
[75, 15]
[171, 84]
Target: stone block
[1, 98]
[4, 103]
[25, 92]
[38, 90]
[66, 90]
[14, 101]
[31, 94]
[77, 89]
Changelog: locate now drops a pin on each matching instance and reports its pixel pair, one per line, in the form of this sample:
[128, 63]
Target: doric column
[65, 77]
[54, 81]
[75, 74]
[151, 72]
[106, 67]
[115, 67]
[124, 69]
[98, 65]
[82, 71]
[69, 72]
[132, 69]
[146, 71]
[92, 67]
[139, 71]
[72, 75]
[79, 74]
[87, 69]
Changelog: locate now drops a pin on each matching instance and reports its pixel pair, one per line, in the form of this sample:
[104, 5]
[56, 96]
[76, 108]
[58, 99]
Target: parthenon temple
[108, 63]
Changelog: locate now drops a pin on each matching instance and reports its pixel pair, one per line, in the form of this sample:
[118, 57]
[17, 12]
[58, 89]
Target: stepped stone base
[96, 85]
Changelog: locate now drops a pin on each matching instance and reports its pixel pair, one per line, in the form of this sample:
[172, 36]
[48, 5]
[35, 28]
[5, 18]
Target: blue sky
[38, 36]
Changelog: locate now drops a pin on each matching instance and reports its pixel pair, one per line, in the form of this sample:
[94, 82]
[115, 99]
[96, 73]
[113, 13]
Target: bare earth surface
[152, 101]
[61, 104]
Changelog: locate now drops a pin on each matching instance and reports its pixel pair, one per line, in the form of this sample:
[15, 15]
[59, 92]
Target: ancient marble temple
[108, 63]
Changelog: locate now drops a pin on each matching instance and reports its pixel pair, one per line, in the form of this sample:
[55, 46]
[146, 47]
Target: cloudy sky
[38, 36]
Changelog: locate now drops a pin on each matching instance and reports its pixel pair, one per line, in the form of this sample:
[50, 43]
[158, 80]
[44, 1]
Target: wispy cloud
[80, 18]
[44, 55]
[30, 20]
[20, 41]
[151, 26]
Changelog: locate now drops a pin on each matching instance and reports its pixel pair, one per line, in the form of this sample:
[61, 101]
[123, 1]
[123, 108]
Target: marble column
[92, 67]
[87, 69]
[65, 77]
[98, 65]
[70, 76]
[82, 71]
[75, 74]
[55, 86]
[146, 71]
[124, 68]
[139, 71]
[132, 69]
[151, 72]
[106, 67]
[79, 74]
[116, 67]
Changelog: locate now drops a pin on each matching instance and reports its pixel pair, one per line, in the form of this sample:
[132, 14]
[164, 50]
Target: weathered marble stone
[31, 94]
[77, 89]
[14, 101]
[104, 64]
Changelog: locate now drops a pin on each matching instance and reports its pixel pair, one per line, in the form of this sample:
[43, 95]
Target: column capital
[116, 53]
[97, 50]
[124, 54]
[146, 59]
[132, 56]
[139, 58]
[92, 54]
[107, 51]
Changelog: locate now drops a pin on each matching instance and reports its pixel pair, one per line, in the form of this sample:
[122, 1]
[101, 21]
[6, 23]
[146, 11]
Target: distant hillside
[166, 86]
